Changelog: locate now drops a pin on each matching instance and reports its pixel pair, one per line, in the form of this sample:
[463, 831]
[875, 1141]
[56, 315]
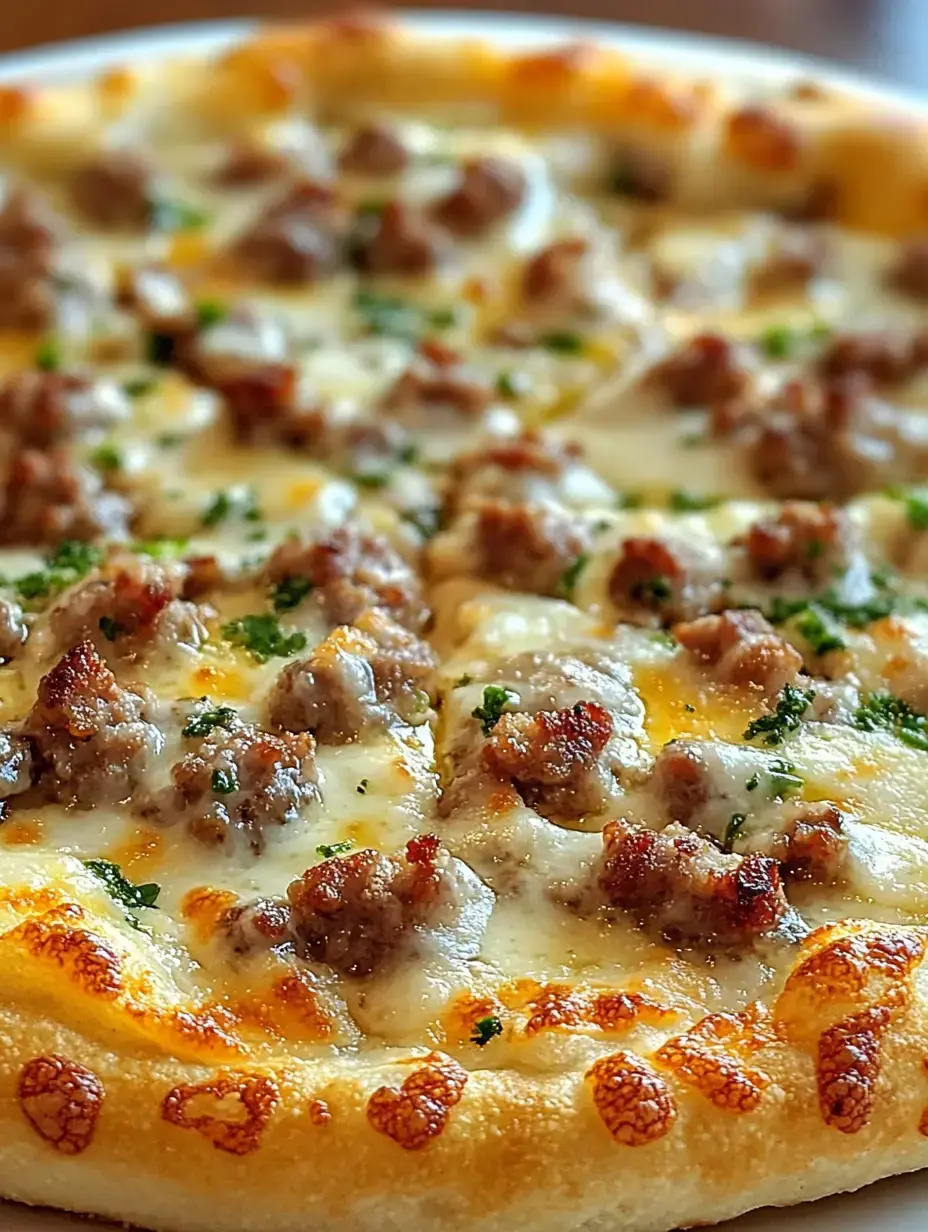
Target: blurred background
[887, 38]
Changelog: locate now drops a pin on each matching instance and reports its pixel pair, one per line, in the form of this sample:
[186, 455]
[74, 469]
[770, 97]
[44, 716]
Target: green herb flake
[107, 457]
[48, 355]
[159, 348]
[111, 628]
[207, 720]
[786, 341]
[784, 780]
[290, 592]
[224, 782]
[886, 712]
[161, 548]
[819, 629]
[629, 500]
[70, 561]
[753, 783]
[733, 829]
[392, 317]
[327, 850]
[170, 215]
[210, 312]
[139, 386]
[129, 896]
[486, 1029]
[774, 728]
[689, 708]
[463, 681]
[652, 591]
[260, 634]
[512, 384]
[228, 504]
[495, 699]
[361, 788]
[427, 520]
[681, 501]
[916, 505]
[562, 342]
[567, 583]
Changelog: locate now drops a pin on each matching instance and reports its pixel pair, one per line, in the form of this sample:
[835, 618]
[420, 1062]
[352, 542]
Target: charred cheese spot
[319, 1113]
[420, 1109]
[236, 1126]
[849, 1062]
[87, 960]
[634, 1102]
[559, 1005]
[702, 1058]
[61, 1100]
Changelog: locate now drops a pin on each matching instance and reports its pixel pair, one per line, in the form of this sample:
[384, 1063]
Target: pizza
[464, 636]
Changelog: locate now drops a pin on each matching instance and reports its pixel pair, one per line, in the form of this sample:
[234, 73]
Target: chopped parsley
[512, 384]
[327, 850]
[48, 355]
[567, 583]
[819, 629]
[689, 708]
[486, 1029]
[916, 505]
[69, 562]
[785, 341]
[123, 891]
[361, 788]
[886, 712]
[562, 342]
[392, 317]
[733, 829]
[159, 549]
[371, 477]
[227, 504]
[681, 501]
[210, 312]
[495, 699]
[774, 728]
[290, 592]
[169, 214]
[753, 783]
[207, 720]
[463, 681]
[224, 782]
[107, 457]
[783, 779]
[884, 601]
[261, 635]
[629, 500]
[111, 628]
[139, 386]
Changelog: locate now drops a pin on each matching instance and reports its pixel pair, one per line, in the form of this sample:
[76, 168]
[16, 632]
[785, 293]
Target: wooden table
[888, 38]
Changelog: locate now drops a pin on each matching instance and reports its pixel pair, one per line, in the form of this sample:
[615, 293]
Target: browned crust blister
[118, 1100]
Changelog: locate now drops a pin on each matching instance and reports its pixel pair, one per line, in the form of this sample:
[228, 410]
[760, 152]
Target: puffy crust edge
[866, 159]
[99, 1121]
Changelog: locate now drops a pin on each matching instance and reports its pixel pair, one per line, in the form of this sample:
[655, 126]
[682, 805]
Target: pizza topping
[656, 582]
[634, 1103]
[94, 740]
[43, 409]
[116, 188]
[773, 729]
[813, 845]
[61, 1100]
[437, 382]
[298, 238]
[348, 573]
[530, 467]
[18, 768]
[742, 649]
[129, 608]
[419, 1111]
[803, 541]
[400, 240]
[353, 912]
[247, 163]
[49, 497]
[885, 357]
[256, 1095]
[553, 758]
[160, 301]
[240, 780]
[520, 546]
[559, 279]
[705, 370]
[829, 441]
[30, 236]
[489, 190]
[255, 927]
[684, 888]
[356, 682]
[374, 149]
[13, 629]
[798, 255]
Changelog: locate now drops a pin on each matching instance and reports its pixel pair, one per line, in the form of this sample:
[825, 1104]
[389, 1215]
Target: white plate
[897, 1205]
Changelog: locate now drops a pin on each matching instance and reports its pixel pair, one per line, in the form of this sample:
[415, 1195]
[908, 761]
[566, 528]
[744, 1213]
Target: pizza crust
[120, 1097]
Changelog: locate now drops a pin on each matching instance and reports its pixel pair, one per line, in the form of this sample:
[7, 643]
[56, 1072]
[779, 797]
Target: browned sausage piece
[743, 649]
[489, 190]
[116, 189]
[374, 149]
[298, 238]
